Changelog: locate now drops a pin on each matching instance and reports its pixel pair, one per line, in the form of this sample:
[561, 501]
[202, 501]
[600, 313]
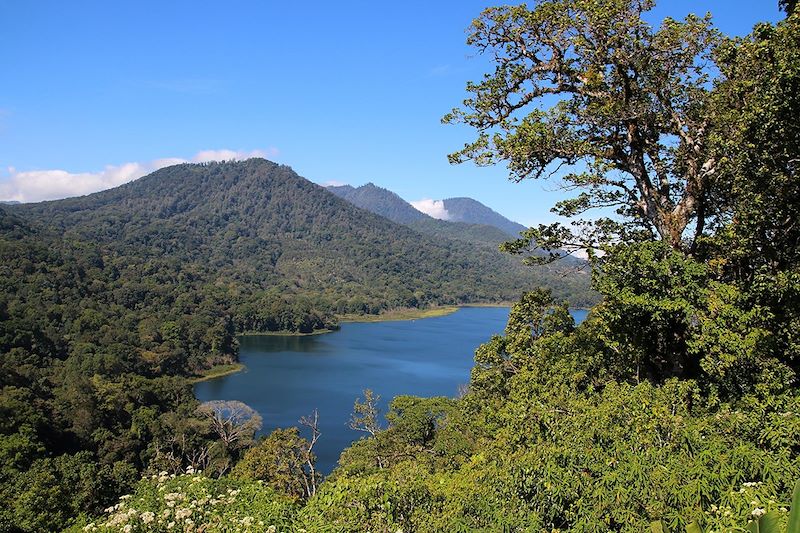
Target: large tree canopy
[692, 139]
[588, 86]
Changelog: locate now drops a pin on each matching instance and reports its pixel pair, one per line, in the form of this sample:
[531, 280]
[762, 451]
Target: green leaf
[770, 523]
[693, 528]
[794, 516]
[658, 527]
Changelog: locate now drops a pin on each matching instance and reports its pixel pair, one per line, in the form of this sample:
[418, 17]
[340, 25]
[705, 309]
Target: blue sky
[348, 92]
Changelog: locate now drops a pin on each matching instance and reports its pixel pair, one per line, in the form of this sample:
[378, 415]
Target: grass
[400, 314]
[496, 304]
[288, 333]
[218, 371]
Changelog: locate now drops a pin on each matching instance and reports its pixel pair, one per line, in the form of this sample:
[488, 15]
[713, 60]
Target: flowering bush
[194, 502]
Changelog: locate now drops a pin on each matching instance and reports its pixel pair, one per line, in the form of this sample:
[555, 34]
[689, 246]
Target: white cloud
[333, 183]
[40, 185]
[581, 253]
[433, 208]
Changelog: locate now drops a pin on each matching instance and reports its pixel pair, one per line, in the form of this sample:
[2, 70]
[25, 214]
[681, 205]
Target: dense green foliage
[189, 502]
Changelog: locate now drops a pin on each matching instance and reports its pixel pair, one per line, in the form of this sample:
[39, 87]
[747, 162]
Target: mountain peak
[462, 209]
[380, 201]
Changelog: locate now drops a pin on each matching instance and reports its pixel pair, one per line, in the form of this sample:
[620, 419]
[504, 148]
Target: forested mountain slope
[263, 235]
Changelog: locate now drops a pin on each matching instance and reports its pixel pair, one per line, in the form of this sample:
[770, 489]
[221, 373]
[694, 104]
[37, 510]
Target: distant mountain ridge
[474, 212]
[380, 201]
[390, 205]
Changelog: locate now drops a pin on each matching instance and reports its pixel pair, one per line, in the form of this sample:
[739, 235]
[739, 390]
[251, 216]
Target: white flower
[128, 528]
[170, 525]
[147, 517]
[758, 511]
[190, 470]
[125, 497]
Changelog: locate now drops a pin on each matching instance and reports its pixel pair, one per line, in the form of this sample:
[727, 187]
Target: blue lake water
[289, 377]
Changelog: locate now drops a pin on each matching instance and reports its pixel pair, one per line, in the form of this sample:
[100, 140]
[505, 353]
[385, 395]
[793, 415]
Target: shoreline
[395, 315]
[217, 372]
[401, 314]
[494, 304]
[284, 333]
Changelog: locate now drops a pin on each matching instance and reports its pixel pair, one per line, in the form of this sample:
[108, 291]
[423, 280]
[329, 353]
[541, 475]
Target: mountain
[387, 204]
[379, 201]
[460, 210]
[277, 248]
[474, 212]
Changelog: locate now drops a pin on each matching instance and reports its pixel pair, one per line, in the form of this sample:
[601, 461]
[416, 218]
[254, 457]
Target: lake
[289, 376]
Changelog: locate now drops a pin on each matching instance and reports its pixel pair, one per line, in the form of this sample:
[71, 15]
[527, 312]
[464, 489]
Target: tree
[590, 86]
[279, 460]
[234, 422]
[693, 140]
[365, 414]
[313, 477]
[757, 140]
